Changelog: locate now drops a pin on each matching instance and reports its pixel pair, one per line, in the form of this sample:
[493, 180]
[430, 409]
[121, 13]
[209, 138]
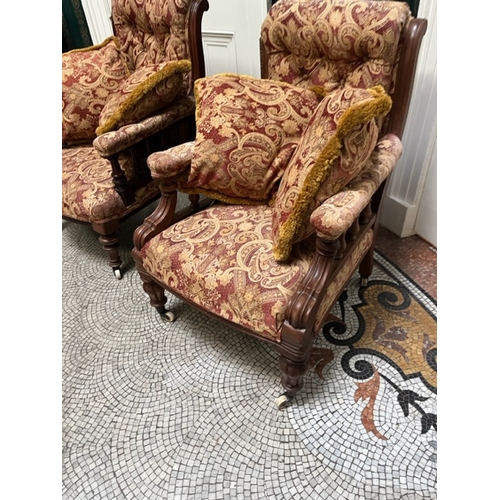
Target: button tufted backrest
[151, 31]
[332, 42]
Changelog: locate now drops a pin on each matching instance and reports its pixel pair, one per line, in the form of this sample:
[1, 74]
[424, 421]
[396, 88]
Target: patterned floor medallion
[185, 410]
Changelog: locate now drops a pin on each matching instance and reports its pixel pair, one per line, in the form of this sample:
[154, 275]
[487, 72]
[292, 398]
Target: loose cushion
[246, 131]
[146, 91]
[89, 77]
[335, 146]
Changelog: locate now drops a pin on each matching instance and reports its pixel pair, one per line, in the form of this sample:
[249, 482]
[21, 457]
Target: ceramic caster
[118, 274]
[283, 401]
[169, 316]
[364, 282]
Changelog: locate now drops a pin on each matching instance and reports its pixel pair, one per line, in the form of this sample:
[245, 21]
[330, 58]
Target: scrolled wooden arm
[302, 307]
[160, 219]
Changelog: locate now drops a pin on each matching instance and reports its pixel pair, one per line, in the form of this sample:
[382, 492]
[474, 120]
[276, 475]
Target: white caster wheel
[282, 401]
[117, 273]
[364, 282]
[169, 316]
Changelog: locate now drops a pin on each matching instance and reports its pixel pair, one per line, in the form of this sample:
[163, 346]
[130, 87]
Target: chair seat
[211, 257]
[88, 193]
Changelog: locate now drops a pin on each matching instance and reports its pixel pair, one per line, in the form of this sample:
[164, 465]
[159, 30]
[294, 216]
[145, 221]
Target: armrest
[111, 143]
[336, 215]
[165, 165]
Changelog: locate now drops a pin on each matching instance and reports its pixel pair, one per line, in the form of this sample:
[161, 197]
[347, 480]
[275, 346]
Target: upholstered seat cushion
[222, 259]
[88, 193]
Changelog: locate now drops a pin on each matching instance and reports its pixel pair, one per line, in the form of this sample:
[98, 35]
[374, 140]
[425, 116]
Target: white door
[230, 33]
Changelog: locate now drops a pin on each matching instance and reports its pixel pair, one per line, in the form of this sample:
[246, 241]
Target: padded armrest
[168, 164]
[113, 142]
[334, 216]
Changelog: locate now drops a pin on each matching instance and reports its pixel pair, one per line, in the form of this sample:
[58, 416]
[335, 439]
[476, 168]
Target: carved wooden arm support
[307, 298]
[159, 220]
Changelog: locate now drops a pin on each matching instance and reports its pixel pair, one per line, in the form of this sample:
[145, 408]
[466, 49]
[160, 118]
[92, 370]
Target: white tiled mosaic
[185, 410]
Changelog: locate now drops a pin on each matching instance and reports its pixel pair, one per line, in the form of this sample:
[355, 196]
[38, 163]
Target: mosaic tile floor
[185, 410]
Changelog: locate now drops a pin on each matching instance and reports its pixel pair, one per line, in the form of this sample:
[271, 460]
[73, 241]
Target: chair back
[153, 31]
[332, 42]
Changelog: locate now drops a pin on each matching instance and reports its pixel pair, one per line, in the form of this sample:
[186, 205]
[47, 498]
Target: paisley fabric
[246, 131]
[117, 140]
[350, 42]
[222, 259]
[89, 77]
[152, 32]
[172, 162]
[88, 193]
[335, 215]
[335, 146]
[147, 90]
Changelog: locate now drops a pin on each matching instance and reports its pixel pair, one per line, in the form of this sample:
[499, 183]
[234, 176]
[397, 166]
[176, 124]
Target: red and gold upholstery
[297, 163]
[122, 100]
[352, 43]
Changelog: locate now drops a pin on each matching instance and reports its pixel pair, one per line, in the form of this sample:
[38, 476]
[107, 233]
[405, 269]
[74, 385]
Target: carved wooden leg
[155, 292]
[109, 240]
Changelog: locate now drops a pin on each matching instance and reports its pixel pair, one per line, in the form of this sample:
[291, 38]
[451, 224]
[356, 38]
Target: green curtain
[75, 30]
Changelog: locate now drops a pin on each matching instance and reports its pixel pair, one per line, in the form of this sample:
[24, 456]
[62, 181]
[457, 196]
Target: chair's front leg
[109, 240]
[297, 333]
[153, 225]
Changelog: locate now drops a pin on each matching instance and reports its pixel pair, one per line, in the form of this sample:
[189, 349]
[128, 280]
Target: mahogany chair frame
[297, 333]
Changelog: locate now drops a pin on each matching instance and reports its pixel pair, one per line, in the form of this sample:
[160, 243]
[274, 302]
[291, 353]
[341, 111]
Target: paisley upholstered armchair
[123, 99]
[296, 163]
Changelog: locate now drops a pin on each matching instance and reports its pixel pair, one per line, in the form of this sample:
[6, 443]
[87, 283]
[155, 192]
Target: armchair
[296, 163]
[122, 100]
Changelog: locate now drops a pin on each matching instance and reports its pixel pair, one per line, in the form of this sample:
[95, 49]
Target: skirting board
[398, 217]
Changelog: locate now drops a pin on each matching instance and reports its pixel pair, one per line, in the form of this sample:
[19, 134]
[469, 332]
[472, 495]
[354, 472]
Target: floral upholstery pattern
[235, 275]
[333, 217]
[334, 148]
[246, 131]
[88, 193]
[171, 163]
[353, 43]
[89, 77]
[128, 135]
[147, 90]
[152, 32]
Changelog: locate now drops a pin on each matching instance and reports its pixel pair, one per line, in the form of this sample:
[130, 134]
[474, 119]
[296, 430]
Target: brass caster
[117, 272]
[283, 401]
[364, 282]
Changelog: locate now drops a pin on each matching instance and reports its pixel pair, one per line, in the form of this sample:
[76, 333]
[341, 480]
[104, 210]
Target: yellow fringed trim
[182, 66]
[98, 46]
[353, 116]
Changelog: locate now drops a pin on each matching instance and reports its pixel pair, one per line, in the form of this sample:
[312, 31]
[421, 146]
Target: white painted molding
[220, 52]
[98, 15]
[405, 190]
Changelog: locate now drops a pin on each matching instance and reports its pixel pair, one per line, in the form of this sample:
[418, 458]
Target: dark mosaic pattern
[185, 410]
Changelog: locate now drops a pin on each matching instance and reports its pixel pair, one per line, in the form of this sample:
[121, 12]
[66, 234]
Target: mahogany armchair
[296, 163]
[122, 100]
